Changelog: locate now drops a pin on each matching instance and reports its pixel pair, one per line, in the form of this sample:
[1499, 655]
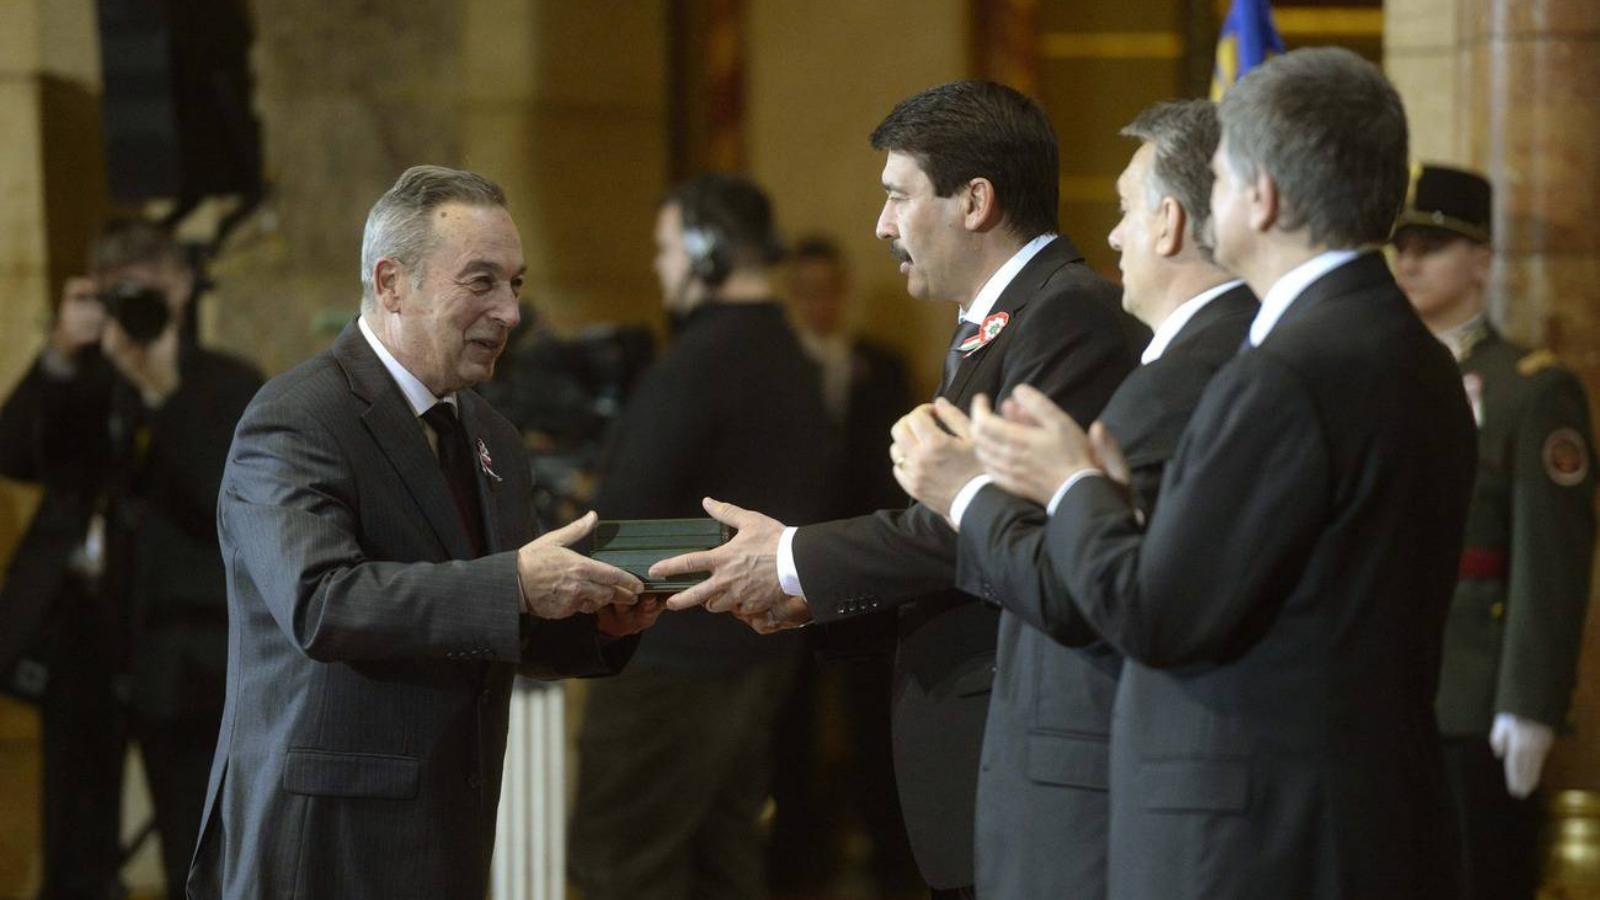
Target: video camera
[141, 311]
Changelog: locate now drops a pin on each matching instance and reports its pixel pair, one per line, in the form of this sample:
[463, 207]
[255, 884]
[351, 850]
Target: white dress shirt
[417, 395]
[1288, 289]
[976, 312]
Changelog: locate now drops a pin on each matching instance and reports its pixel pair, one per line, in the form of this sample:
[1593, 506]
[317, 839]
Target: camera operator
[113, 614]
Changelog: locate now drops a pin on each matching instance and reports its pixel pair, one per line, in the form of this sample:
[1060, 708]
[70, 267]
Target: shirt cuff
[788, 576]
[958, 506]
[1074, 478]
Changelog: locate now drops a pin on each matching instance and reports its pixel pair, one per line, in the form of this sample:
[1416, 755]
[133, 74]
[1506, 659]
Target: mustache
[898, 252]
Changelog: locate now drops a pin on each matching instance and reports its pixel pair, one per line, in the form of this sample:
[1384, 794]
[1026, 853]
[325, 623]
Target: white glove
[1523, 744]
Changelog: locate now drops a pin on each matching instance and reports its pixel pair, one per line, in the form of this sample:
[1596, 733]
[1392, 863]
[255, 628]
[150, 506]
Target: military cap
[1453, 200]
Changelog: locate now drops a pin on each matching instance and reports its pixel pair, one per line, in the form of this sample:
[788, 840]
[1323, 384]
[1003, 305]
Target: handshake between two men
[1028, 447]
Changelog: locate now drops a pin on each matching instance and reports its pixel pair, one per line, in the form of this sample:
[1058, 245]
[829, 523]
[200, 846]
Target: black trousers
[177, 764]
[673, 771]
[84, 741]
[1499, 833]
[85, 730]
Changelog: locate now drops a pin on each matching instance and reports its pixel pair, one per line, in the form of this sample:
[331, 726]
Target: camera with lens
[140, 311]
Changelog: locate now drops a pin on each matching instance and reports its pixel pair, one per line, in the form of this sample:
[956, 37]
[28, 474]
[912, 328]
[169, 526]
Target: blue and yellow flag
[1248, 38]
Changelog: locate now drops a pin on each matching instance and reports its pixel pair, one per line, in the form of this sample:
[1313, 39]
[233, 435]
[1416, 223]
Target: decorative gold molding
[1111, 45]
[1344, 21]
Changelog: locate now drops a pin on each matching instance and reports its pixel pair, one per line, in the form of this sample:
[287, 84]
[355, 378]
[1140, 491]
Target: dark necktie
[455, 458]
[952, 360]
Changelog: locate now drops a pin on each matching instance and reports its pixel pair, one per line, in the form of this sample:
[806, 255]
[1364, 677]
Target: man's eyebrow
[472, 266]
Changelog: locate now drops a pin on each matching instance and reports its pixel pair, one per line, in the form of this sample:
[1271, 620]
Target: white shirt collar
[1174, 322]
[1289, 288]
[417, 394]
[978, 309]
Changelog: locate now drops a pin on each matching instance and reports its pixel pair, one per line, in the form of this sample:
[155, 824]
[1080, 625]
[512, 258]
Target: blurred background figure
[563, 393]
[675, 754]
[113, 615]
[834, 730]
[1516, 622]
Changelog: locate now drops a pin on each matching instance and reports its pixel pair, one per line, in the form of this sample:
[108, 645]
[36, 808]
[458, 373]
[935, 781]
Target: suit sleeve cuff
[788, 575]
[958, 506]
[1074, 478]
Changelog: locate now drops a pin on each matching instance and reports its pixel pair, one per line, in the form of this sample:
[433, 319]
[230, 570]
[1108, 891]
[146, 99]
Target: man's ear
[388, 277]
[1169, 233]
[1265, 202]
[980, 209]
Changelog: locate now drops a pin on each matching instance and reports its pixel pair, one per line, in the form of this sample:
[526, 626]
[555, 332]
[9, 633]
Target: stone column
[50, 185]
[1530, 85]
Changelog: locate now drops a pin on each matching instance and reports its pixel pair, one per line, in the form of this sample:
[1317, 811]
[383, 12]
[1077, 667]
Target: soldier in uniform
[1515, 626]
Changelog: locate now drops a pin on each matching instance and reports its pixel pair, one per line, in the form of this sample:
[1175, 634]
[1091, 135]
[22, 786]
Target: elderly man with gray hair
[385, 582]
[1287, 594]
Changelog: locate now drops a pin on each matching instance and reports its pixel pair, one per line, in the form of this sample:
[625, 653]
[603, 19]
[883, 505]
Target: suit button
[474, 781]
[1497, 610]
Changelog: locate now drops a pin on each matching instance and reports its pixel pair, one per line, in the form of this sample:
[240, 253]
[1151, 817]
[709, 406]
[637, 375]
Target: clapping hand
[1031, 447]
[934, 463]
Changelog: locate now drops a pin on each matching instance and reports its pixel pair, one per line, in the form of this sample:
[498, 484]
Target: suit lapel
[400, 438]
[1366, 271]
[472, 414]
[1237, 301]
[1027, 282]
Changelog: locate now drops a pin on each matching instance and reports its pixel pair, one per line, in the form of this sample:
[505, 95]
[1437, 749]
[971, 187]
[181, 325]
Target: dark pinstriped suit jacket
[370, 661]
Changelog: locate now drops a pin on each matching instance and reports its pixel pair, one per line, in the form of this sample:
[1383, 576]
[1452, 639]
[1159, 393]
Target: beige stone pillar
[49, 186]
[1530, 80]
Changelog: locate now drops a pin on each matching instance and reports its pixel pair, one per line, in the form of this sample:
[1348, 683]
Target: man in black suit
[971, 177]
[1042, 825]
[1293, 579]
[384, 581]
[113, 613]
[676, 753]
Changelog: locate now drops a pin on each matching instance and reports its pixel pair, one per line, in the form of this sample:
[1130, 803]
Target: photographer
[113, 611]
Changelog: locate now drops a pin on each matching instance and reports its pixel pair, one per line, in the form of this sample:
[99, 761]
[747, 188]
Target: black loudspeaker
[176, 109]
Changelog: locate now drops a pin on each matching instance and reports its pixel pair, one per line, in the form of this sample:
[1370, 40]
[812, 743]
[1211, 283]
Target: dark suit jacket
[1043, 811]
[1067, 337]
[160, 606]
[1292, 587]
[732, 410]
[371, 661]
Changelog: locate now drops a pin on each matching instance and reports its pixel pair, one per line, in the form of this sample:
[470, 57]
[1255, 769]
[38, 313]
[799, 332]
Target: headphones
[706, 248]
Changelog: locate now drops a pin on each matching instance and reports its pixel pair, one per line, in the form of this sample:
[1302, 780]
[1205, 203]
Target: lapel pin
[988, 331]
[486, 461]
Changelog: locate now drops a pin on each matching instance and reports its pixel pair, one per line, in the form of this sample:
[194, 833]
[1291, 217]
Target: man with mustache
[971, 176]
[385, 584]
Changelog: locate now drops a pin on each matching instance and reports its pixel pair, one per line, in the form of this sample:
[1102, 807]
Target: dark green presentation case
[634, 545]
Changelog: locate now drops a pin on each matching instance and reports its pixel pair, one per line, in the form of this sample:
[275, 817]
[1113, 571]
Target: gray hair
[1331, 132]
[1184, 135]
[399, 226]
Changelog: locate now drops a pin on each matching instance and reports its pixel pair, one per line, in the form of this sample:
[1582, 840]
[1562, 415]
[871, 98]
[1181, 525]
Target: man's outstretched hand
[744, 571]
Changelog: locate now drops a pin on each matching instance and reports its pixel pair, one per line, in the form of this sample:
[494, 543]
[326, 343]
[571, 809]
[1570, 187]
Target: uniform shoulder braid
[1535, 362]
